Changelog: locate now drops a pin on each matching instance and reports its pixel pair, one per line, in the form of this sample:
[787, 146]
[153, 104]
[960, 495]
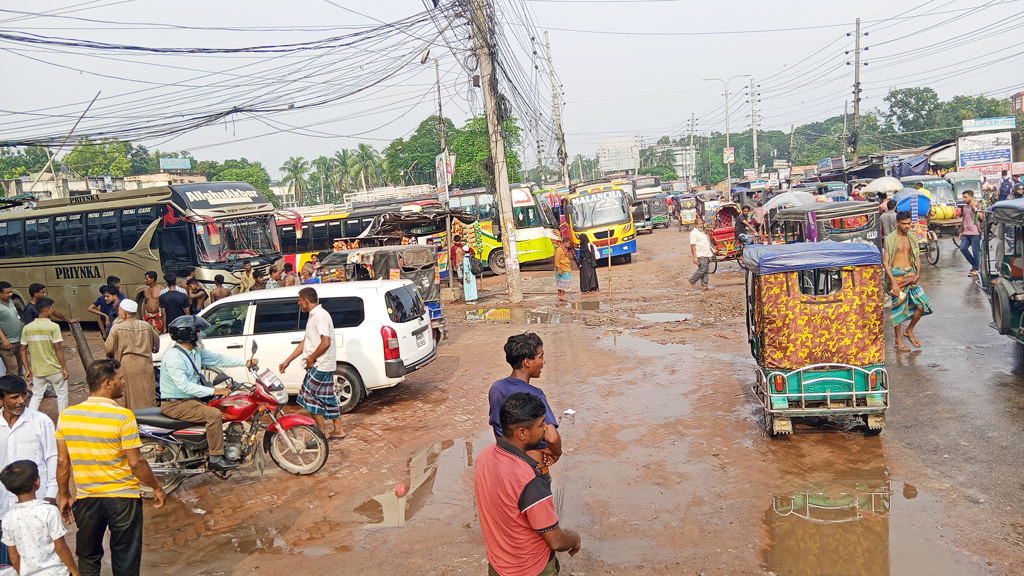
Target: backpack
[1005, 187]
[476, 266]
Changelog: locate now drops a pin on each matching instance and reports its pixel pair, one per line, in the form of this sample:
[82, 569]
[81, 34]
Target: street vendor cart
[815, 322]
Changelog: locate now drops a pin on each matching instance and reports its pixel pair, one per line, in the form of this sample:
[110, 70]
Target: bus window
[109, 241]
[12, 239]
[334, 231]
[288, 239]
[61, 243]
[488, 209]
[319, 238]
[466, 203]
[129, 234]
[353, 228]
[92, 231]
[76, 233]
[174, 252]
[31, 247]
[528, 217]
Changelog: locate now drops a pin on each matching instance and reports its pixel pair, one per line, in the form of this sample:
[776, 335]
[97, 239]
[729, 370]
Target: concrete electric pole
[540, 156]
[563, 154]
[728, 165]
[856, 98]
[792, 142]
[692, 164]
[482, 38]
[753, 128]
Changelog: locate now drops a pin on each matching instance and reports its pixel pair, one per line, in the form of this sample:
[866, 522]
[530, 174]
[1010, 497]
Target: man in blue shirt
[525, 353]
[181, 385]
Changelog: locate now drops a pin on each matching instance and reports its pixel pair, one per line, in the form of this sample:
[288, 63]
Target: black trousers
[123, 516]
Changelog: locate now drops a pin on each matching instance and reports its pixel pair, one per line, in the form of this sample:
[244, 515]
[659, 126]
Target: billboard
[444, 175]
[729, 155]
[986, 124]
[619, 154]
[989, 154]
[175, 163]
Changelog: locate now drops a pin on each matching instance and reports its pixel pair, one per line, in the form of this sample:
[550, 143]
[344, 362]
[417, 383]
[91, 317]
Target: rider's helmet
[186, 328]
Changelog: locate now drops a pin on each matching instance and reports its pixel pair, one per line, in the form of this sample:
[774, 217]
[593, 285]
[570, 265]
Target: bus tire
[496, 261]
[627, 258]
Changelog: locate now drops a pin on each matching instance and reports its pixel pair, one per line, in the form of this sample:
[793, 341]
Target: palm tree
[342, 170]
[667, 157]
[323, 169]
[364, 164]
[295, 171]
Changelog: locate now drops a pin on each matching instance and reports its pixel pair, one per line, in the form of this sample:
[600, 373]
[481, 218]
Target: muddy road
[666, 468]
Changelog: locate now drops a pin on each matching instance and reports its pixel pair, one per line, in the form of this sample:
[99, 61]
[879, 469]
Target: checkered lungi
[317, 394]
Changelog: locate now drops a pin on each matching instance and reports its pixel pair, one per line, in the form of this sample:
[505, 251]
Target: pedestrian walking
[587, 261]
[883, 202]
[173, 303]
[318, 354]
[700, 248]
[463, 255]
[970, 231]
[10, 330]
[902, 260]
[219, 291]
[308, 274]
[197, 295]
[133, 342]
[31, 311]
[289, 275]
[525, 354]
[514, 501]
[25, 435]
[98, 442]
[259, 280]
[246, 280]
[563, 268]
[1005, 187]
[151, 303]
[275, 278]
[888, 218]
[44, 356]
[32, 529]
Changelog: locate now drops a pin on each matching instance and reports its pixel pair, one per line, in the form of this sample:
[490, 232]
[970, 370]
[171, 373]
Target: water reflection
[515, 316]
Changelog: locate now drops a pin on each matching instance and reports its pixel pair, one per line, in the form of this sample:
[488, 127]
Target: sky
[624, 67]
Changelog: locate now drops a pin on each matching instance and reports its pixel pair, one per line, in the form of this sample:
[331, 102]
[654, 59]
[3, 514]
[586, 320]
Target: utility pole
[562, 153]
[846, 106]
[540, 157]
[444, 152]
[792, 143]
[728, 165]
[856, 98]
[482, 38]
[753, 128]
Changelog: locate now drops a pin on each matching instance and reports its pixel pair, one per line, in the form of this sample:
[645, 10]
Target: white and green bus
[73, 244]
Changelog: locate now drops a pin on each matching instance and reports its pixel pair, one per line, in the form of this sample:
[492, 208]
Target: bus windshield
[228, 240]
[604, 208]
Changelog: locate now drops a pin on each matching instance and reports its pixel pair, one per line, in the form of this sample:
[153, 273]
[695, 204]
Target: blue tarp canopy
[774, 258]
[903, 200]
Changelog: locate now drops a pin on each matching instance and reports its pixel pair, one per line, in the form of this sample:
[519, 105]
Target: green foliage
[471, 145]
[666, 173]
[89, 158]
[16, 163]
[244, 171]
[412, 161]
[916, 116]
[295, 172]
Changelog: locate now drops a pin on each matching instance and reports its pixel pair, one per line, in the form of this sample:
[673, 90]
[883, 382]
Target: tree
[109, 157]
[667, 157]
[412, 161]
[471, 145]
[910, 109]
[365, 162]
[16, 163]
[342, 170]
[252, 172]
[295, 172]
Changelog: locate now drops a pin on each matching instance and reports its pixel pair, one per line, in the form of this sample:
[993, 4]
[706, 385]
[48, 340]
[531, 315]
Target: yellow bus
[536, 234]
[72, 245]
[601, 212]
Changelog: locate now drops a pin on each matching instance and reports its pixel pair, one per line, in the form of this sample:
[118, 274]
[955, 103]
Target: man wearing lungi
[902, 260]
[320, 359]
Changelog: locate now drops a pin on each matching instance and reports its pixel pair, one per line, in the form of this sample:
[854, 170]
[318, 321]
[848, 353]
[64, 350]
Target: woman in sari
[462, 254]
[588, 263]
[563, 268]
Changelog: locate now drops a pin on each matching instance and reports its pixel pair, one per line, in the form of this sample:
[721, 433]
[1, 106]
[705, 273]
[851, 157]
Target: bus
[536, 234]
[73, 244]
[645, 186]
[602, 213]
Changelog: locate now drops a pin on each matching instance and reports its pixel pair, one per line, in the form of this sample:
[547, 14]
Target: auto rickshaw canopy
[762, 259]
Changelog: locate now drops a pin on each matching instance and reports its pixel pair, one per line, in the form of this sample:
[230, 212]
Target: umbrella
[789, 199]
[885, 184]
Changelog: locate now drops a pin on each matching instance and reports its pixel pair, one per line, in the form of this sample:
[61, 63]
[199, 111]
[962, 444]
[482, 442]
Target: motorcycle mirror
[253, 347]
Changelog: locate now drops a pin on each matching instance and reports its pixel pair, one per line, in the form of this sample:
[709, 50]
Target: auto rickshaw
[1002, 265]
[919, 204]
[816, 323]
[720, 224]
[687, 210]
[849, 221]
[415, 262]
[659, 210]
[642, 219]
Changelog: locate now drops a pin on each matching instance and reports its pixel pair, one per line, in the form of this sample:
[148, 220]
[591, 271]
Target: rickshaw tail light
[873, 380]
[779, 382]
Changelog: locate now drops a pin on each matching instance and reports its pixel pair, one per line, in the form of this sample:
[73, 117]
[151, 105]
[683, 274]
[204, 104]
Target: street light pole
[728, 165]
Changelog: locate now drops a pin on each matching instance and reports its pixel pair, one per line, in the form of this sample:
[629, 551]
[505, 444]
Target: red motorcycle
[176, 450]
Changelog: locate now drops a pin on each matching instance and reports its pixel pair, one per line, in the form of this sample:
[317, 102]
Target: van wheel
[1001, 310]
[348, 387]
[496, 261]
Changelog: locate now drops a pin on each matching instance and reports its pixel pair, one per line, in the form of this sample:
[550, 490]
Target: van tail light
[779, 382]
[390, 338]
[873, 380]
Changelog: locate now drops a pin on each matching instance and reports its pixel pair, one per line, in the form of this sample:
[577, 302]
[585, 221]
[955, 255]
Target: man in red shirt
[514, 501]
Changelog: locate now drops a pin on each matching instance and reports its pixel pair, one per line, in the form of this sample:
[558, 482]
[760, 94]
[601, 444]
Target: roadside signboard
[1017, 168]
[444, 175]
[824, 164]
[750, 174]
[989, 153]
[175, 163]
[780, 164]
[986, 124]
[784, 173]
[728, 155]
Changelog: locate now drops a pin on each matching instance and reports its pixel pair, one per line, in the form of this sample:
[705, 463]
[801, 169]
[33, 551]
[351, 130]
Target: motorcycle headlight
[280, 395]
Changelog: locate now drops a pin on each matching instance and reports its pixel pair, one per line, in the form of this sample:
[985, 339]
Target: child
[33, 530]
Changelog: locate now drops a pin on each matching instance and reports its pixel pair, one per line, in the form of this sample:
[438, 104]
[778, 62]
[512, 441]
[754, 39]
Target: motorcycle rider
[182, 386]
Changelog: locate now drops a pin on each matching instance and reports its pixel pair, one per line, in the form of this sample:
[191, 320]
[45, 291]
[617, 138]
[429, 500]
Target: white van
[382, 333]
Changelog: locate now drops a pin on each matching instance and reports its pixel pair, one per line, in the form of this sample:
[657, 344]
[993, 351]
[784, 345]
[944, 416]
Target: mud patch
[516, 316]
[664, 317]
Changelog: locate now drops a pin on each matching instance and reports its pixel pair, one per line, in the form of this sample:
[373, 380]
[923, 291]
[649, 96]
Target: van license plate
[421, 339]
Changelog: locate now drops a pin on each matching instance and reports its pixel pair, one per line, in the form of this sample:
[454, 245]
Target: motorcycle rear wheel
[307, 460]
[161, 456]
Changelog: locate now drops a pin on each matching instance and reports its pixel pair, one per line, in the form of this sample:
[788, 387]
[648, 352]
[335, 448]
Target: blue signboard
[824, 164]
[983, 124]
[175, 163]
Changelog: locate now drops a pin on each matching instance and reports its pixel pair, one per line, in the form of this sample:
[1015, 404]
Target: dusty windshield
[228, 240]
[942, 193]
[596, 209]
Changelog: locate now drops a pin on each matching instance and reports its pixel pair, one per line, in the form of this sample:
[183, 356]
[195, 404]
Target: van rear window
[404, 304]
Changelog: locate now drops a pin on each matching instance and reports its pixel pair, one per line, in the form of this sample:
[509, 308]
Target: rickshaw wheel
[956, 240]
[713, 266]
[933, 249]
[1001, 310]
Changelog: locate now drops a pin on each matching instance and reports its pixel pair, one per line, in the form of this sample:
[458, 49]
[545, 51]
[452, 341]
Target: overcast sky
[625, 67]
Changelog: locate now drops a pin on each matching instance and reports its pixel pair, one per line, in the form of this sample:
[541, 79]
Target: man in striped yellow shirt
[99, 441]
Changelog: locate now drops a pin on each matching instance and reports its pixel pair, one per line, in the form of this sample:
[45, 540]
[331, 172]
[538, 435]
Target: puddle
[433, 471]
[664, 317]
[515, 316]
[591, 305]
[646, 347]
[865, 526]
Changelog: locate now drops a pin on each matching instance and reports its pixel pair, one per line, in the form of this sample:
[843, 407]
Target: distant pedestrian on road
[219, 291]
[43, 353]
[151, 309]
[197, 295]
[587, 261]
[275, 278]
[32, 529]
[132, 342]
[246, 280]
[888, 218]
[463, 253]
[319, 355]
[563, 268]
[700, 248]
[98, 441]
[883, 202]
[173, 303]
[289, 275]
[970, 231]
[10, 330]
[1005, 187]
[902, 262]
[37, 291]
[525, 354]
[514, 501]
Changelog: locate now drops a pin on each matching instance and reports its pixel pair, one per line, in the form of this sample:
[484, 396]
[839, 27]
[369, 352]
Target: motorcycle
[176, 450]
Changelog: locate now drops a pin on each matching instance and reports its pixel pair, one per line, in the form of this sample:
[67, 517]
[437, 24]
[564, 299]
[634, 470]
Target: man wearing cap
[132, 342]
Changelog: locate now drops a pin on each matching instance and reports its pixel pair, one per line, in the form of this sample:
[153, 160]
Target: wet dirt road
[666, 469]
